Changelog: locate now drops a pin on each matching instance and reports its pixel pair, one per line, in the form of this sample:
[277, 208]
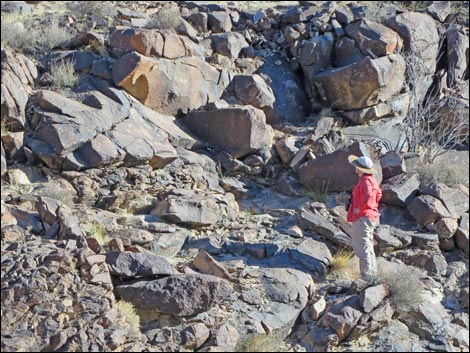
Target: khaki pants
[363, 245]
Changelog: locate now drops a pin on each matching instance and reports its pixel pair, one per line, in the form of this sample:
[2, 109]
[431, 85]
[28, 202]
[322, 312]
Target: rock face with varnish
[169, 86]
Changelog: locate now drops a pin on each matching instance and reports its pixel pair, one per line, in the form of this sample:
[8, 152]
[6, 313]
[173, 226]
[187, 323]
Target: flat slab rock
[181, 295]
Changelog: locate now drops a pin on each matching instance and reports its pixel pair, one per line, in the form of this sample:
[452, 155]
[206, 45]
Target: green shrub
[249, 212]
[63, 74]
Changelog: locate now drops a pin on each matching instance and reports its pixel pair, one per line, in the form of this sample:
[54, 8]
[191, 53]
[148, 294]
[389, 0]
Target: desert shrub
[97, 231]
[99, 8]
[127, 312]
[449, 174]
[22, 34]
[406, 288]
[167, 17]
[16, 33]
[51, 35]
[259, 343]
[63, 74]
[439, 120]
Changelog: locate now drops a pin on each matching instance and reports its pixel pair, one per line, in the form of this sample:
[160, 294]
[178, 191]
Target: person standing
[364, 215]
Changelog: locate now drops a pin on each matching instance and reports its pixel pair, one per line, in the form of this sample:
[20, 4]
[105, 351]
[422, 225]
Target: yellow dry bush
[126, 312]
[340, 263]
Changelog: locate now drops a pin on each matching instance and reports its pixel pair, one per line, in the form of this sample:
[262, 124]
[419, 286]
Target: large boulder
[291, 103]
[419, 34]
[362, 84]
[333, 172]
[238, 130]
[346, 52]
[427, 210]
[251, 90]
[169, 86]
[389, 238]
[18, 75]
[314, 56]
[228, 44]
[392, 164]
[429, 320]
[151, 42]
[342, 316]
[455, 199]
[102, 127]
[312, 254]
[178, 134]
[180, 295]
[371, 297]
[373, 39]
[287, 291]
[195, 208]
[147, 42]
[130, 265]
[219, 21]
[432, 261]
[400, 189]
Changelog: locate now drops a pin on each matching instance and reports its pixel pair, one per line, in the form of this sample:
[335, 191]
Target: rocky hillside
[175, 175]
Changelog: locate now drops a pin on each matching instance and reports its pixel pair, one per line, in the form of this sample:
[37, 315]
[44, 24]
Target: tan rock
[208, 265]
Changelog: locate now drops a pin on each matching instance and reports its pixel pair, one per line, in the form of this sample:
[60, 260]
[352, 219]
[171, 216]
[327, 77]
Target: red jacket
[365, 199]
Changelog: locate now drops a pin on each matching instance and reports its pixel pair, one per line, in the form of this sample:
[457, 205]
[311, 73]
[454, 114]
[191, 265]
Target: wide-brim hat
[364, 164]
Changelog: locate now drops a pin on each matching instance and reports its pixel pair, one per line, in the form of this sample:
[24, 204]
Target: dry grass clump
[340, 263]
[406, 288]
[127, 312]
[63, 74]
[319, 192]
[4, 126]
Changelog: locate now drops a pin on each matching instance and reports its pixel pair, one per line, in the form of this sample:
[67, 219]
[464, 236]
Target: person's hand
[356, 211]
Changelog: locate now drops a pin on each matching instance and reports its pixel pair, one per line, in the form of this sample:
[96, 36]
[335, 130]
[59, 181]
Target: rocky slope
[198, 171]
